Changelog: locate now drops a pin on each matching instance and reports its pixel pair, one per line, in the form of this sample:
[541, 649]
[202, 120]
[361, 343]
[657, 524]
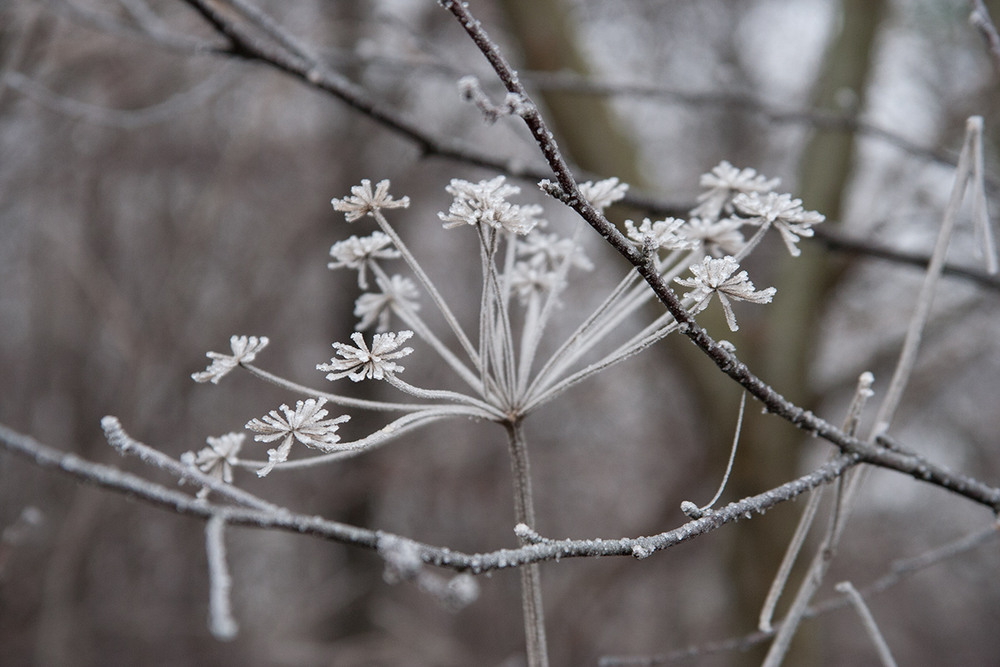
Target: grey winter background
[155, 201]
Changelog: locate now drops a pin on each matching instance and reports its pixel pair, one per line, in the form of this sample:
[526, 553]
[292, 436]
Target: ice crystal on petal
[527, 279]
[603, 193]
[723, 183]
[356, 253]
[719, 276]
[361, 362]
[376, 308]
[486, 203]
[218, 458]
[785, 213]
[549, 251]
[245, 349]
[306, 423]
[663, 233]
[362, 201]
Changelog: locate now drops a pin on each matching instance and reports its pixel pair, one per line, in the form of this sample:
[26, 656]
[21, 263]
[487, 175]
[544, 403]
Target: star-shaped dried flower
[718, 276]
[245, 349]
[486, 203]
[549, 251]
[398, 293]
[305, 423]
[724, 182]
[361, 362]
[719, 238]
[603, 193]
[218, 459]
[357, 253]
[527, 279]
[663, 234]
[785, 213]
[362, 201]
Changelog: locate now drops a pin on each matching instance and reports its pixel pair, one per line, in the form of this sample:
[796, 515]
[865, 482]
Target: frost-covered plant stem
[871, 627]
[911, 344]
[221, 620]
[524, 510]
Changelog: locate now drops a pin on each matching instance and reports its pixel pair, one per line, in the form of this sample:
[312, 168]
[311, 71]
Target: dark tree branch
[567, 191]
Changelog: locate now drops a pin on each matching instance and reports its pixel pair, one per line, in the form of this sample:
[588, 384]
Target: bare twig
[544, 550]
[871, 627]
[898, 571]
[221, 620]
[981, 21]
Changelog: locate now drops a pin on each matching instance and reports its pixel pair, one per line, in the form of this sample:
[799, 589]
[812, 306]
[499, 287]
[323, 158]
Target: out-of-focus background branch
[156, 197]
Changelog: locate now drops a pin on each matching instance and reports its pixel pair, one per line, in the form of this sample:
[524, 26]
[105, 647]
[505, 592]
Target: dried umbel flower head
[306, 423]
[363, 201]
[361, 362]
[718, 276]
[245, 349]
[485, 203]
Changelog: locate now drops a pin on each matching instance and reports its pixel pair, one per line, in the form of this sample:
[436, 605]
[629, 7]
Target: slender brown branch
[567, 190]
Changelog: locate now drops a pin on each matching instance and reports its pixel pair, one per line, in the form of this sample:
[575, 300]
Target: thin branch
[732, 456]
[899, 570]
[911, 344]
[837, 241]
[871, 627]
[981, 21]
[249, 44]
[125, 444]
[639, 547]
[221, 621]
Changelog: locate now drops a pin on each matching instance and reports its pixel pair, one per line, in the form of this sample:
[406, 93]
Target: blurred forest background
[156, 198]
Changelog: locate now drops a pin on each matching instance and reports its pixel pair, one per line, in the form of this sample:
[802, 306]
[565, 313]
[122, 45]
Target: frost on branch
[403, 562]
[305, 423]
[362, 201]
[361, 362]
[245, 349]
[718, 276]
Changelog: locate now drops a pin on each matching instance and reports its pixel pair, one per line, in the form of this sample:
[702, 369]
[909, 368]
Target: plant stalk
[531, 584]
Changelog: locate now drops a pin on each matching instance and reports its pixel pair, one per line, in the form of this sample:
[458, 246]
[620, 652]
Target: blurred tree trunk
[770, 448]
[588, 132]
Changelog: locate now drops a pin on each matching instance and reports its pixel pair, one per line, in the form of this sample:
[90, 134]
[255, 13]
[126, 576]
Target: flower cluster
[719, 276]
[363, 201]
[485, 203]
[306, 423]
[363, 362]
[244, 348]
[525, 267]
